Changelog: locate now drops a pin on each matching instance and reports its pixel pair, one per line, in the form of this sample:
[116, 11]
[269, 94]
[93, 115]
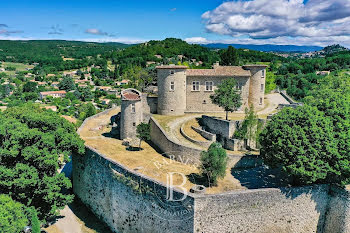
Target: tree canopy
[214, 163]
[12, 215]
[227, 96]
[33, 144]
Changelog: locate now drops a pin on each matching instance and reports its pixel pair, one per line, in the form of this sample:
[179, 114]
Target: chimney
[216, 65]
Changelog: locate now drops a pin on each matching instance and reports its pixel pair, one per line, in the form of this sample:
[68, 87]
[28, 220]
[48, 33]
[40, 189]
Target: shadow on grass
[132, 148]
[198, 179]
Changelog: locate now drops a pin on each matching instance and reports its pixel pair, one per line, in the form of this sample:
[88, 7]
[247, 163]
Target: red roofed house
[54, 94]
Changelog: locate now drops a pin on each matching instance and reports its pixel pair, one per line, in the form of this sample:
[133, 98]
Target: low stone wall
[96, 116]
[199, 143]
[205, 134]
[219, 126]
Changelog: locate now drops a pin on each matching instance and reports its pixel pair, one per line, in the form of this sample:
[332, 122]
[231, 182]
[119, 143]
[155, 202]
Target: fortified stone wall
[283, 210]
[113, 193]
[124, 200]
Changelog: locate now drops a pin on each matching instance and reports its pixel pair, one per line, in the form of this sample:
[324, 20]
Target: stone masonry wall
[338, 215]
[169, 147]
[199, 101]
[113, 193]
[219, 126]
[284, 210]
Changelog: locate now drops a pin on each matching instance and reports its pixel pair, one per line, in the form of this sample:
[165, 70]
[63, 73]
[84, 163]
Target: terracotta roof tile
[171, 67]
[220, 71]
[130, 94]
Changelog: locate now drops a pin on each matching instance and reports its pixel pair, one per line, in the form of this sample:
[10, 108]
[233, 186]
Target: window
[133, 108]
[209, 86]
[134, 124]
[195, 86]
[262, 88]
[261, 101]
[172, 86]
[172, 71]
[263, 73]
[239, 86]
[204, 102]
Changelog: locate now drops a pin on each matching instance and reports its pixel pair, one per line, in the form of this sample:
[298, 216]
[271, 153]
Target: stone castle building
[182, 90]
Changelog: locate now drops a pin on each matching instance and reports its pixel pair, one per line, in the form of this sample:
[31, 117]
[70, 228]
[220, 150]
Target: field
[18, 66]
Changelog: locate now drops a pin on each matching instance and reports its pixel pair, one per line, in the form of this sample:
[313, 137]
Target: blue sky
[312, 22]
[119, 19]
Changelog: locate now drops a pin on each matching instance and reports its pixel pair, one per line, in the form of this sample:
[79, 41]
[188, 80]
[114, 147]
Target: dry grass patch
[187, 128]
[147, 161]
[164, 120]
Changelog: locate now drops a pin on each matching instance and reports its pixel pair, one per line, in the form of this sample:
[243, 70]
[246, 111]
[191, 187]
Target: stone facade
[171, 90]
[199, 85]
[131, 113]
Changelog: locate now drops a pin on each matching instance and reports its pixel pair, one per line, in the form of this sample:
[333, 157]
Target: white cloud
[280, 20]
[197, 40]
[95, 31]
[282, 40]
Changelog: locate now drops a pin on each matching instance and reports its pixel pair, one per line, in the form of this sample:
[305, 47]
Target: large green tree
[12, 215]
[303, 142]
[230, 57]
[214, 163]
[67, 84]
[227, 96]
[143, 132]
[33, 144]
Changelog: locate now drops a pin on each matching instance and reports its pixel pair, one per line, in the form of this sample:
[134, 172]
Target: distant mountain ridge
[267, 47]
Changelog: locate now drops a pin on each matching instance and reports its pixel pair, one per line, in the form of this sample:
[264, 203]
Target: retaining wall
[205, 134]
[219, 126]
[205, 143]
[160, 138]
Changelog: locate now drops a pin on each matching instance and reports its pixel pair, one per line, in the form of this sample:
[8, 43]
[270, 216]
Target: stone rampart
[128, 201]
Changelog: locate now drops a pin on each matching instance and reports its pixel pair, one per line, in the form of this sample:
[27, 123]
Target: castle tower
[171, 89]
[131, 113]
[257, 85]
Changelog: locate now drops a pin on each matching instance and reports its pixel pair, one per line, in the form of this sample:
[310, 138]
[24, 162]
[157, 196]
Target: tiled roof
[171, 67]
[53, 92]
[220, 71]
[131, 94]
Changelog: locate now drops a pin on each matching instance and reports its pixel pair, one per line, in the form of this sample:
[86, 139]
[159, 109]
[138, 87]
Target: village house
[54, 94]
[323, 73]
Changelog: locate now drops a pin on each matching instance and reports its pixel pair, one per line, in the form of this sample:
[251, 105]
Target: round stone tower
[171, 89]
[257, 85]
[131, 113]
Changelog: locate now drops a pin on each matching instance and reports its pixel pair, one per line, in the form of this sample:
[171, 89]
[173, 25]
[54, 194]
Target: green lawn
[18, 66]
